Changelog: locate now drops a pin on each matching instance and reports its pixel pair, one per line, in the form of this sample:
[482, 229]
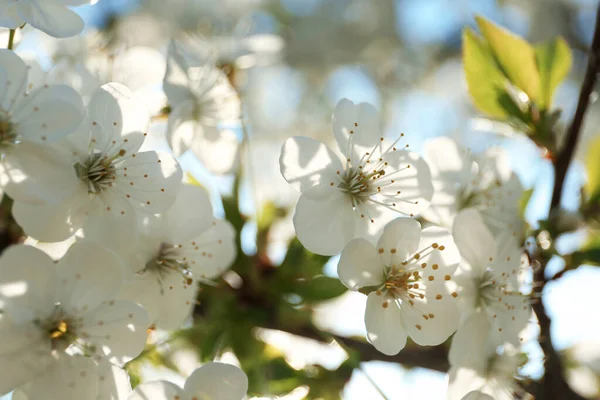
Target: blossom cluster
[135, 239]
[433, 241]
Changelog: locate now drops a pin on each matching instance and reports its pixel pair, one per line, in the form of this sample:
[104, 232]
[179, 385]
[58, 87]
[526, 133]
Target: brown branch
[553, 384]
[431, 357]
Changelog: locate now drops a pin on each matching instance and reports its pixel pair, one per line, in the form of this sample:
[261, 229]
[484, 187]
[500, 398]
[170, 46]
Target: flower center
[60, 329]
[97, 172]
[360, 185]
[8, 135]
[398, 282]
[169, 259]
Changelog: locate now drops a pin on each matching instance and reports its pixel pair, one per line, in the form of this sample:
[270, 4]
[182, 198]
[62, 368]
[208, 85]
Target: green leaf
[592, 165]
[554, 61]
[516, 57]
[486, 82]
[320, 288]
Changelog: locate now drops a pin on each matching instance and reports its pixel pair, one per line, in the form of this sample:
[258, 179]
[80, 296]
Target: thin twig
[11, 39]
[553, 384]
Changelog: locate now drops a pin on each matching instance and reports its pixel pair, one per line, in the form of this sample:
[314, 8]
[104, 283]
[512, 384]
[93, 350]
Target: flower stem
[11, 39]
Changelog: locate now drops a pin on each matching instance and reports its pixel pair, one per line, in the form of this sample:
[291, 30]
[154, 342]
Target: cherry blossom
[201, 101]
[341, 200]
[489, 278]
[54, 313]
[103, 180]
[465, 180]
[493, 374]
[212, 381]
[50, 16]
[172, 251]
[30, 118]
[407, 277]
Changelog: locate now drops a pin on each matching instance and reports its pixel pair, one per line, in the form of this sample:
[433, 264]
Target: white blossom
[493, 374]
[493, 310]
[50, 16]
[51, 314]
[30, 118]
[408, 275]
[103, 180]
[201, 101]
[212, 381]
[484, 182]
[341, 200]
[172, 251]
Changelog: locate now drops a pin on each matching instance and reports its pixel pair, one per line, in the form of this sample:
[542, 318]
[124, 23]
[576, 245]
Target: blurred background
[291, 61]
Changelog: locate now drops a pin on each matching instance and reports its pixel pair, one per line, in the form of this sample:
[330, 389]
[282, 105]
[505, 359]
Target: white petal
[119, 117]
[28, 282]
[360, 265]
[89, 274]
[118, 329]
[37, 173]
[9, 16]
[213, 252]
[424, 329]
[306, 162]
[182, 127]
[356, 128]
[51, 222]
[110, 221]
[70, 378]
[13, 76]
[473, 239]
[176, 80]
[400, 239]
[463, 381]
[511, 314]
[158, 390]
[216, 148]
[113, 382]
[190, 215]
[149, 181]
[168, 298]
[411, 189]
[477, 395]
[217, 381]
[442, 251]
[324, 226]
[470, 342]
[445, 158]
[385, 329]
[55, 20]
[48, 113]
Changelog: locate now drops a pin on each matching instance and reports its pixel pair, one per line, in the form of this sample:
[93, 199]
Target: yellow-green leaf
[515, 56]
[554, 61]
[485, 79]
[592, 165]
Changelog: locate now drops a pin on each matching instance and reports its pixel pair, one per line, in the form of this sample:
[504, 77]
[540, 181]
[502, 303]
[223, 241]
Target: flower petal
[13, 75]
[190, 215]
[306, 162]
[89, 275]
[477, 395]
[216, 148]
[383, 320]
[470, 341]
[217, 381]
[442, 251]
[53, 19]
[149, 181]
[70, 378]
[9, 16]
[167, 297]
[28, 282]
[400, 239]
[158, 390]
[113, 382]
[51, 222]
[213, 252]
[473, 239]
[360, 265]
[48, 113]
[356, 128]
[118, 330]
[326, 224]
